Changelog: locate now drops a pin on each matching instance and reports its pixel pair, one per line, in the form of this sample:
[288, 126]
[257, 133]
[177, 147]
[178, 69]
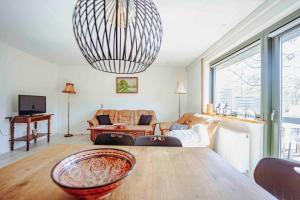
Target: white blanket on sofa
[197, 136]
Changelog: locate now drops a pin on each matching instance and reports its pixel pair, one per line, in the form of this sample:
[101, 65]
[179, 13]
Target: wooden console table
[28, 120]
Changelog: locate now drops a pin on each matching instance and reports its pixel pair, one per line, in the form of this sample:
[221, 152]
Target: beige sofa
[190, 119]
[128, 117]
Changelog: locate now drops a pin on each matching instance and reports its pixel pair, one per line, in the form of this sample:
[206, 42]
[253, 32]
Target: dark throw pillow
[145, 120]
[177, 126]
[104, 120]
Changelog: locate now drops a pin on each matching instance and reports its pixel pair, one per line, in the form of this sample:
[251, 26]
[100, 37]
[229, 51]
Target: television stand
[28, 120]
[34, 115]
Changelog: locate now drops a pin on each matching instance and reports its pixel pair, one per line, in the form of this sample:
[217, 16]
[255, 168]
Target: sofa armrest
[154, 124]
[165, 127]
[93, 122]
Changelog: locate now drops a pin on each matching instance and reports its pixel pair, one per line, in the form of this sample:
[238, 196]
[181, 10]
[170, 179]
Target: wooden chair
[279, 177]
[114, 139]
[158, 141]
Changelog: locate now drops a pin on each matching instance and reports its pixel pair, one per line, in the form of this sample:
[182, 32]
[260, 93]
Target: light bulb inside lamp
[121, 13]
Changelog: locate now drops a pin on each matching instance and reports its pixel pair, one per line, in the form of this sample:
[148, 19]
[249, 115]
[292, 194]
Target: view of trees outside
[291, 98]
[291, 77]
[239, 84]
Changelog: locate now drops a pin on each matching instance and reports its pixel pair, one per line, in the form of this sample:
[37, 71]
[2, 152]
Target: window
[289, 88]
[273, 95]
[237, 81]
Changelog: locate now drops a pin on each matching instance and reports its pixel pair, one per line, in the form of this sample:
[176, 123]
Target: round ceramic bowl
[93, 174]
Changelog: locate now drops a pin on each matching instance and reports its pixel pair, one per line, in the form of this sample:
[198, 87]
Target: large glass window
[238, 81]
[290, 95]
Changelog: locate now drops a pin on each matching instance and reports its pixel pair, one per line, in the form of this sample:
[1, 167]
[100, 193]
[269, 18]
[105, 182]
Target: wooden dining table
[161, 173]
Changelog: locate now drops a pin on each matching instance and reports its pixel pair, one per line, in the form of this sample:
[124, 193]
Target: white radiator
[233, 146]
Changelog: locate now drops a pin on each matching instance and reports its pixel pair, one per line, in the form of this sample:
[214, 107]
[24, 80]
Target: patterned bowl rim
[96, 186]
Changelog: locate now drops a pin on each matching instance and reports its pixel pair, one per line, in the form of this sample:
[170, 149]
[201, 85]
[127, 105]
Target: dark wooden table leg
[48, 135]
[35, 127]
[94, 135]
[12, 135]
[28, 136]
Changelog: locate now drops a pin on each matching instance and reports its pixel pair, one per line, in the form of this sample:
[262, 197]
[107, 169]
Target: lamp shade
[69, 88]
[180, 88]
[118, 36]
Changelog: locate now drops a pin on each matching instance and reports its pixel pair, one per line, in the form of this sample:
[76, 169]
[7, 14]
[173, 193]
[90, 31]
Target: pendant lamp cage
[118, 36]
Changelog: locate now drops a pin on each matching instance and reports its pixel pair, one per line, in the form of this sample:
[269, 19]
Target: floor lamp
[180, 90]
[69, 89]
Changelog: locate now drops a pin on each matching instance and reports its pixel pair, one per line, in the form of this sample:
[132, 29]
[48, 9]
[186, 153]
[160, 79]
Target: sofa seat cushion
[125, 117]
[195, 137]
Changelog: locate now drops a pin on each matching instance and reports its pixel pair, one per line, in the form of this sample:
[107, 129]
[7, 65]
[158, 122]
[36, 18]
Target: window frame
[277, 93]
[240, 49]
[270, 137]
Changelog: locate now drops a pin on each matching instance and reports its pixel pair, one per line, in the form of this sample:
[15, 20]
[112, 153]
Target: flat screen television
[30, 105]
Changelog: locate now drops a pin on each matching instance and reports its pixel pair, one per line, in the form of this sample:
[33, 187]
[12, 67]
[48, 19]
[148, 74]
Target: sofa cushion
[128, 117]
[211, 124]
[125, 117]
[113, 114]
[104, 119]
[177, 126]
[145, 120]
[195, 137]
[138, 113]
[192, 120]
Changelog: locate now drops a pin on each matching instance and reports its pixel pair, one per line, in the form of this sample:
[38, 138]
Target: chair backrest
[279, 177]
[158, 141]
[114, 139]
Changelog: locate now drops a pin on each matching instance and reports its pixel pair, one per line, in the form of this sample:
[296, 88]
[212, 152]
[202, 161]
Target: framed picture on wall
[127, 85]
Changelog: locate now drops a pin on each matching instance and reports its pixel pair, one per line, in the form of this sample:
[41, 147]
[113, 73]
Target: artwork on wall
[127, 85]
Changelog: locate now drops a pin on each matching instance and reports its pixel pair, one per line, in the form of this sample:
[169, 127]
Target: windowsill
[222, 117]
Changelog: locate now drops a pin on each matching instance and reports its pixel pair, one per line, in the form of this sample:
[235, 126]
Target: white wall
[194, 83]
[21, 73]
[156, 91]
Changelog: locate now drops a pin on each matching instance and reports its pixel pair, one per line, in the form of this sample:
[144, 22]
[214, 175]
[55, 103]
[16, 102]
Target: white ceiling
[43, 28]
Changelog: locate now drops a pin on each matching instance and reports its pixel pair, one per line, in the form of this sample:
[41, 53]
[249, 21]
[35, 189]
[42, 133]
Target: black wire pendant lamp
[118, 36]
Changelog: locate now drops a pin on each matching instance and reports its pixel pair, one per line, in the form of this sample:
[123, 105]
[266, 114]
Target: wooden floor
[17, 154]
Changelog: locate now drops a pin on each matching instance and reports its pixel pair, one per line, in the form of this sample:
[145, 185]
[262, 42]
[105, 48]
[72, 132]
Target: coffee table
[133, 130]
